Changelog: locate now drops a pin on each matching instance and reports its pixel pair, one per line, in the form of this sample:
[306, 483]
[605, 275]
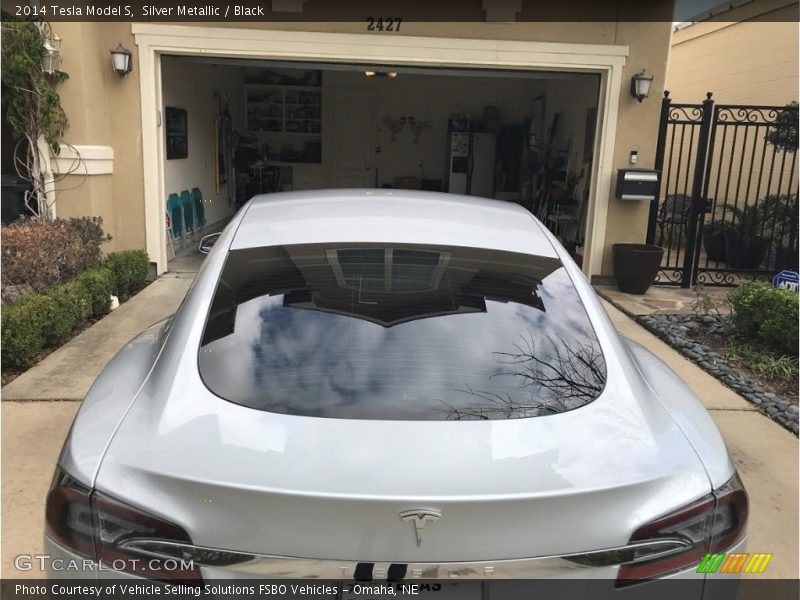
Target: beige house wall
[105, 110]
[748, 62]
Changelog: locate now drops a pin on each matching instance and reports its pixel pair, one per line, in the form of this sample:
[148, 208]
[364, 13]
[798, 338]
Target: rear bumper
[66, 564]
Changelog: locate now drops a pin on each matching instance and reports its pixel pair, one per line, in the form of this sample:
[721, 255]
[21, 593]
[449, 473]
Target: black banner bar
[199, 11]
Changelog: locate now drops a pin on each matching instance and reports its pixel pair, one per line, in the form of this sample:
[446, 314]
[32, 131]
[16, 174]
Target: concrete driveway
[39, 406]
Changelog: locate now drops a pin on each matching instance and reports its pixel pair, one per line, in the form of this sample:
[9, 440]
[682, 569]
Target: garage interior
[239, 127]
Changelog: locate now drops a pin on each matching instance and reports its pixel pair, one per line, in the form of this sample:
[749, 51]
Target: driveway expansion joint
[26, 400]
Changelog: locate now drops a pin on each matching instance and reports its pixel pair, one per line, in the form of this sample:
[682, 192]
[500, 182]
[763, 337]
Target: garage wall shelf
[276, 109]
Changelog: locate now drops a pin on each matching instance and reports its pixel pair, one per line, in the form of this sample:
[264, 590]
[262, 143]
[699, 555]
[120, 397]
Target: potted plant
[636, 266]
[714, 239]
[745, 244]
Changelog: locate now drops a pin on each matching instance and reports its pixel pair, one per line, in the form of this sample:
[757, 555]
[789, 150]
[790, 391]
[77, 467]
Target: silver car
[380, 385]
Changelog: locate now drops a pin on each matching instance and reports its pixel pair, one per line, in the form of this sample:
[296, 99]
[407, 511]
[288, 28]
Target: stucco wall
[105, 109]
[750, 62]
[637, 128]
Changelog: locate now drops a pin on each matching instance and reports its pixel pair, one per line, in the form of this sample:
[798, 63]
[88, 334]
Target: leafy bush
[783, 135]
[98, 284]
[90, 231]
[38, 254]
[767, 314]
[129, 270]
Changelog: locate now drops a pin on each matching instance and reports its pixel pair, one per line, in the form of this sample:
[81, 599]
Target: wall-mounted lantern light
[51, 53]
[121, 60]
[640, 85]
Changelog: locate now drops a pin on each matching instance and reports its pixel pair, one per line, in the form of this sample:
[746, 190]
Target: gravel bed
[676, 331]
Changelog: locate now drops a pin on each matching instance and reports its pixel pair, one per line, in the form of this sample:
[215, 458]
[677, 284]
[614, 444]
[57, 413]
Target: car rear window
[365, 331]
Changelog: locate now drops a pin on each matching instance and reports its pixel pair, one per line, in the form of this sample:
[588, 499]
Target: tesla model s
[379, 385]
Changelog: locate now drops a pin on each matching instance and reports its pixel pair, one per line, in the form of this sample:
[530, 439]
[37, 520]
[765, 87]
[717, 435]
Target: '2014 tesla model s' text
[388, 385]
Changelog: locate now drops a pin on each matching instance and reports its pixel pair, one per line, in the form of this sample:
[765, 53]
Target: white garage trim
[156, 39]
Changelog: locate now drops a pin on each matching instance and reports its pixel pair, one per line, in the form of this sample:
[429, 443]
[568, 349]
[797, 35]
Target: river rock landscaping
[693, 336]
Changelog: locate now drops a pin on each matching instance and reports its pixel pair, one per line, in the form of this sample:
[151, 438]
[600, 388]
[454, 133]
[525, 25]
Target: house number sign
[384, 23]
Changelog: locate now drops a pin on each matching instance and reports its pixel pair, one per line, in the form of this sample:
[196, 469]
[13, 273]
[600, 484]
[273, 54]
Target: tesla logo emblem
[419, 517]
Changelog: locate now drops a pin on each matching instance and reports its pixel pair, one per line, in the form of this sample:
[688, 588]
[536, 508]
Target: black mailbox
[637, 184]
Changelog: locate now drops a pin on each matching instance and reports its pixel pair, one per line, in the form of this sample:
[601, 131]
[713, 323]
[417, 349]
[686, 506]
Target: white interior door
[353, 138]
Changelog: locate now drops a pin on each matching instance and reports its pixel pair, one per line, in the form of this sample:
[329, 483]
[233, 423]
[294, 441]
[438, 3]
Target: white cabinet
[307, 177]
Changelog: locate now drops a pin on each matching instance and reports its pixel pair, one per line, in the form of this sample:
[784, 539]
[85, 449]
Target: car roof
[389, 216]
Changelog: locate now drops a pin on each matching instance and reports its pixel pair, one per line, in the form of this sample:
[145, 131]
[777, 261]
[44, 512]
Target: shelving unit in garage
[287, 121]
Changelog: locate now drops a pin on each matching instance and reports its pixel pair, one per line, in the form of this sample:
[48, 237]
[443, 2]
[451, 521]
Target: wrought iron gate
[726, 211]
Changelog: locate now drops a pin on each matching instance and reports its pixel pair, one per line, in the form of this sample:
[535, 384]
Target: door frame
[156, 39]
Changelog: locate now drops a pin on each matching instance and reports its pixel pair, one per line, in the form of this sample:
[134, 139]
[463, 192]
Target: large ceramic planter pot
[714, 243]
[786, 258]
[636, 266]
[745, 252]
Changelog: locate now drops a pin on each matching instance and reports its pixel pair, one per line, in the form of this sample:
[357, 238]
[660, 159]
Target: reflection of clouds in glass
[316, 363]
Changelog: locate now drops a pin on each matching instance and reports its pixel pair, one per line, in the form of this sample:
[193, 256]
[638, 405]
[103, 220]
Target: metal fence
[726, 211]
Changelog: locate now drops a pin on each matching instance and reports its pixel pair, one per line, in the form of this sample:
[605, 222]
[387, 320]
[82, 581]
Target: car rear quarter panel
[118, 385]
[657, 380]
[687, 411]
[107, 402]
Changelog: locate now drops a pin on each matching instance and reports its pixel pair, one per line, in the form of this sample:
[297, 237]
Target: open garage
[235, 128]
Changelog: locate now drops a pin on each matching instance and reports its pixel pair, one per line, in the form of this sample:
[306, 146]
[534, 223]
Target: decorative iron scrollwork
[669, 277]
[685, 113]
[761, 115]
[728, 278]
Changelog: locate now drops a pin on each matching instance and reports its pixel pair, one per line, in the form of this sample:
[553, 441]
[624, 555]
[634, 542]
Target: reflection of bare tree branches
[560, 379]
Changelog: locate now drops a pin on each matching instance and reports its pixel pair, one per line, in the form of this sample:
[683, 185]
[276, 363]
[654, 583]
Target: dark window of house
[365, 331]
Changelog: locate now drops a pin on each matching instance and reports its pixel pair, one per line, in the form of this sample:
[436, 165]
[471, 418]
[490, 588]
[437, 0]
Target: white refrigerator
[470, 165]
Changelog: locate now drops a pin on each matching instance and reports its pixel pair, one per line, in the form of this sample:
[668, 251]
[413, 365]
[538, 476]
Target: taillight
[98, 526]
[68, 516]
[714, 523]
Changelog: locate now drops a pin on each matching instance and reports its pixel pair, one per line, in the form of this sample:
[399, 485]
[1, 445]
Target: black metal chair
[673, 211]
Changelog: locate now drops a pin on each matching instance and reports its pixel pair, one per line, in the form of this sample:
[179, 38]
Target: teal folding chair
[175, 210]
[199, 209]
[188, 213]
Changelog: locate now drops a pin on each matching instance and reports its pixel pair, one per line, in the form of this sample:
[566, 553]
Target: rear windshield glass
[363, 331]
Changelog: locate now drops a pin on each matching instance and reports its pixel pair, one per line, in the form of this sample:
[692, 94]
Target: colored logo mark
[735, 562]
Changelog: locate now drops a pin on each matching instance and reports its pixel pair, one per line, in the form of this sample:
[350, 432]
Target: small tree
[783, 135]
[32, 106]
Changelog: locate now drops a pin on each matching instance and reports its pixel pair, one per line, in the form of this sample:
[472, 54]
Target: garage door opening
[234, 128]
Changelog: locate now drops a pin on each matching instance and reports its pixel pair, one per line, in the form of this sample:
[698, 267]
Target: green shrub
[129, 270]
[98, 284]
[22, 337]
[72, 307]
[41, 320]
[767, 314]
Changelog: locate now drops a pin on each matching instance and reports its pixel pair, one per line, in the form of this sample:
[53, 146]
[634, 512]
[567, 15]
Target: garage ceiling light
[389, 74]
